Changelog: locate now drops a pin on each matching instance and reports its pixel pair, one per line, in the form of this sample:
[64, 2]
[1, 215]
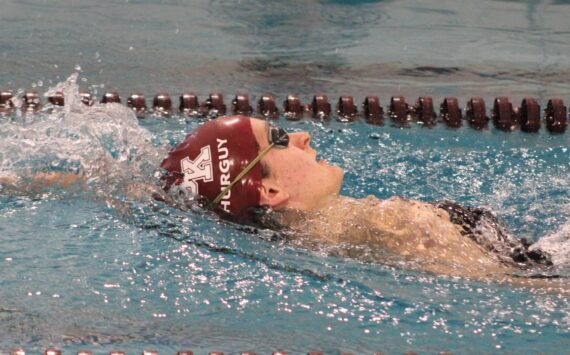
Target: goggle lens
[277, 136]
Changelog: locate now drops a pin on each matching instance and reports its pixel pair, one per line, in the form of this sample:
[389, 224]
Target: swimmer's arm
[13, 182]
[136, 191]
[57, 179]
[38, 180]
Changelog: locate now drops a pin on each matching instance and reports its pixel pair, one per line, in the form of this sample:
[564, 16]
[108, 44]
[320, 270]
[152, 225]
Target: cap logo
[197, 169]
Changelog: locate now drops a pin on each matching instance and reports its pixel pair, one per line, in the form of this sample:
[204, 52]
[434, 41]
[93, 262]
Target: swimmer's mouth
[321, 161]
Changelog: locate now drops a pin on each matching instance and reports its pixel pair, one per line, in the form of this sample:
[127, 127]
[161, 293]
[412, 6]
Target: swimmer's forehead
[259, 128]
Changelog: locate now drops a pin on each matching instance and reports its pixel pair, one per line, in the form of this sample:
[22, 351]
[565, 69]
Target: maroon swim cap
[212, 156]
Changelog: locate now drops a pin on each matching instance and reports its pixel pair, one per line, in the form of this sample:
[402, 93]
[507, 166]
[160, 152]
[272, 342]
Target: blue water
[77, 271]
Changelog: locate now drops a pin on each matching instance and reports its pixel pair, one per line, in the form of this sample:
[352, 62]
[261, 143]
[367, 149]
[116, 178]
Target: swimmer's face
[295, 178]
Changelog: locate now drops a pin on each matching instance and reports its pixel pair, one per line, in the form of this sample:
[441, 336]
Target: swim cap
[210, 158]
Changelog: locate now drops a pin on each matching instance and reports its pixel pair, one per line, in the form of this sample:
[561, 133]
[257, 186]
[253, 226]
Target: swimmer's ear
[273, 195]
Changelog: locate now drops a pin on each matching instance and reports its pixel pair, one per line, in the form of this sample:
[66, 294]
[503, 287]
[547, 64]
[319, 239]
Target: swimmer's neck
[329, 202]
[334, 201]
[326, 206]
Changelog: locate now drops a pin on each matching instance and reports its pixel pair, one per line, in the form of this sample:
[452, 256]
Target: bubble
[77, 67]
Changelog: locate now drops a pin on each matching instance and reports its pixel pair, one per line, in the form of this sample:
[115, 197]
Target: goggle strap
[241, 175]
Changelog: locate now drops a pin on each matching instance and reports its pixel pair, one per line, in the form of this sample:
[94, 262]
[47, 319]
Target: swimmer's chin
[340, 173]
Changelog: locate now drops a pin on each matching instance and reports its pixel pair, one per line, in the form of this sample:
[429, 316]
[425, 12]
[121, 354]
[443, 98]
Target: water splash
[103, 142]
[558, 245]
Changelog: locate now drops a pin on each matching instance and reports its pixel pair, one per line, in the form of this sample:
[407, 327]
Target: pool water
[88, 267]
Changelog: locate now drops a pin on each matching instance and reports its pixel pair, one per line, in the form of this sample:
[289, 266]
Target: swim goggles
[277, 137]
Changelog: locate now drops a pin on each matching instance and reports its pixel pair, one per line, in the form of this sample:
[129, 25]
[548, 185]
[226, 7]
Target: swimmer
[252, 172]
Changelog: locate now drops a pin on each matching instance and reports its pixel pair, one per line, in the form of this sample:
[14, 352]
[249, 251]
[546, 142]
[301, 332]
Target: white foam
[104, 142]
[557, 244]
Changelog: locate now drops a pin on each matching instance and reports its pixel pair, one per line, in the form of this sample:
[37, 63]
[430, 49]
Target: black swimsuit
[485, 228]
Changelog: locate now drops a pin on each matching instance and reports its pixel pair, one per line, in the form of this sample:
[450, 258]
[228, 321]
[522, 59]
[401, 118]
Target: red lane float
[503, 114]
[450, 113]
[320, 108]
[292, 108]
[476, 114]
[346, 109]
[31, 102]
[189, 104]
[137, 103]
[399, 110]
[57, 99]
[241, 106]
[86, 98]
[555, 116]
[372, 110]
[53, 351]
[214, 104]
[6, 103]
[529, 115]
[267, 107]
[423, 111]
[162, 104]
[111, 97]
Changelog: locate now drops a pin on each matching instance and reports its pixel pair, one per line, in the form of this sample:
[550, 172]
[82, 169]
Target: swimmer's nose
[301, 140]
